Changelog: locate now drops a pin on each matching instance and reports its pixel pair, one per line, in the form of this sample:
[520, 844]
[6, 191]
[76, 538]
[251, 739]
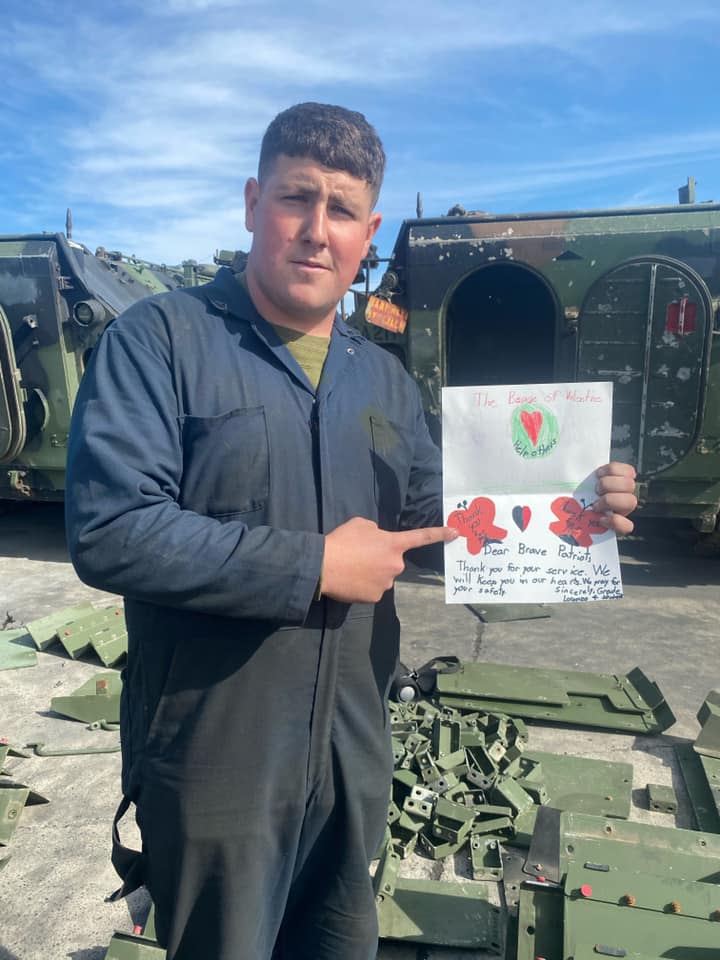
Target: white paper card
[519, 482]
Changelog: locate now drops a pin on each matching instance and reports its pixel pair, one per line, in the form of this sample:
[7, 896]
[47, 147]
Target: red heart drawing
[532, 423]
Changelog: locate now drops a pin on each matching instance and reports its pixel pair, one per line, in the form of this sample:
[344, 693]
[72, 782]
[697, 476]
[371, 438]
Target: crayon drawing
[576, 523]
[519, 482]
[521, 517]
[475, 524]
[534, 431]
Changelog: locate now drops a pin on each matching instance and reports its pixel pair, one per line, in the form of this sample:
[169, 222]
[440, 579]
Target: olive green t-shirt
[309, 351]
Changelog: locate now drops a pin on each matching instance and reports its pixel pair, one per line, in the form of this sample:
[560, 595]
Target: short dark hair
[333, 136]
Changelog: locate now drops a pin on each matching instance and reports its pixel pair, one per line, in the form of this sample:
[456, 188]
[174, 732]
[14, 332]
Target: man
[248, 472]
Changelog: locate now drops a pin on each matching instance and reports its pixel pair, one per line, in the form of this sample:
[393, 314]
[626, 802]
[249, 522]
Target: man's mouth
[310, 265]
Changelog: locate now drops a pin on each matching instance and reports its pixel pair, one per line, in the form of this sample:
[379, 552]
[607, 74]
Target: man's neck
[310, 323]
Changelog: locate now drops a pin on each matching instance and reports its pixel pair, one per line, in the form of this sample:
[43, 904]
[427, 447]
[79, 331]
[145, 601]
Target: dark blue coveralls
[202, 471]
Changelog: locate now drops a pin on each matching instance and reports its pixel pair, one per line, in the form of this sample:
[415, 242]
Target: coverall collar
[228, 296]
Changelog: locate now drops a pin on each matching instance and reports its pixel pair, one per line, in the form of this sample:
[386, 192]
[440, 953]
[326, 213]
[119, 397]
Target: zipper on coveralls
[315, 440]
[321, 717]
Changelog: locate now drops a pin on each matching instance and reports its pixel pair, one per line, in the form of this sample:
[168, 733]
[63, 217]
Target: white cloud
[195, 6]
[173, 239]
[149, 114]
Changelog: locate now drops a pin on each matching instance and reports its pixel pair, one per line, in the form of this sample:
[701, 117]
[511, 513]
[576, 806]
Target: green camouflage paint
[56, 298]
[629, 296]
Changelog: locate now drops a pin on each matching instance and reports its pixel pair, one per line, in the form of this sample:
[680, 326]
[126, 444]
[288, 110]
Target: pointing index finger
[409, 539]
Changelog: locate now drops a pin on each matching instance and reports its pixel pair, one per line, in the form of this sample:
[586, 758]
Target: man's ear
[252, 194]
[374, 222]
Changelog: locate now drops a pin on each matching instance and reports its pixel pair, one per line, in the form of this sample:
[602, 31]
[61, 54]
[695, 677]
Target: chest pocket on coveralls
[226, 465]
[392, 458]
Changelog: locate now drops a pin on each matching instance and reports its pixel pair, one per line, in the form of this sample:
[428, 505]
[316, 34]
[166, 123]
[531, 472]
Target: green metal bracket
[658, 850]
[44, 630]
[710, 707]
[508, 791]
[96, 700]
[8, 750]
[583, 785]
[136, 945]
[540, 922]
[700, 765]
[711, 769]
[104, 631]
[707, 745]
[441, 913]
[493, 826]
[699, 792]
[606, 907]
[641, 891]
[421, 802]
[638, 913]
[708, 742]
[597, 787]
[434, 911]
[481, 768]
[387, 871]
[661, 798]
[16, 649]
[126, 946]
[629, 704]
[486, 858]
[445, 736]
[82, 628]
[13, 797]
[437, 849]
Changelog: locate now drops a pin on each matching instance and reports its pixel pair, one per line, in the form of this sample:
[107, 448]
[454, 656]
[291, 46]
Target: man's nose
[315, 226]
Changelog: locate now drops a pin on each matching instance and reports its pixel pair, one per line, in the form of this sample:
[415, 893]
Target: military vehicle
[56, 298]
[628, 295]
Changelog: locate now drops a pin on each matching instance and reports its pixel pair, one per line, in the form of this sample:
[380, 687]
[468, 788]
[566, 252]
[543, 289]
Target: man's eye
[342, 211]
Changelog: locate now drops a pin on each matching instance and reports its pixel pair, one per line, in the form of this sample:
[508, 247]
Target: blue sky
[145, 117]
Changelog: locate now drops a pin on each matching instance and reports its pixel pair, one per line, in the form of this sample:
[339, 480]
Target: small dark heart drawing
[521, 516]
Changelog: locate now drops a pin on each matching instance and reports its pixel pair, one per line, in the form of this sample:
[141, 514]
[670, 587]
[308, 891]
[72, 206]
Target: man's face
[311, 227]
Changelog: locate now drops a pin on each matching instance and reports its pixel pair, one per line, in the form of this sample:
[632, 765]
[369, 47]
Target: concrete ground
[53, 888]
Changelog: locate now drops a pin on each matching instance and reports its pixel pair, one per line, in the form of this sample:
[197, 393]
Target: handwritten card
[519, 483]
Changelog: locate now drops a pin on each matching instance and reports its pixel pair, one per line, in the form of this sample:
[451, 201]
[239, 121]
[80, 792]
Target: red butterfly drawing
[476, 524]
[576, 524]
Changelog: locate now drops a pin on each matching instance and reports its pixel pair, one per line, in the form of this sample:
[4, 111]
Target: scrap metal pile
[534, 852]
[467, 788]
[527, 854]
